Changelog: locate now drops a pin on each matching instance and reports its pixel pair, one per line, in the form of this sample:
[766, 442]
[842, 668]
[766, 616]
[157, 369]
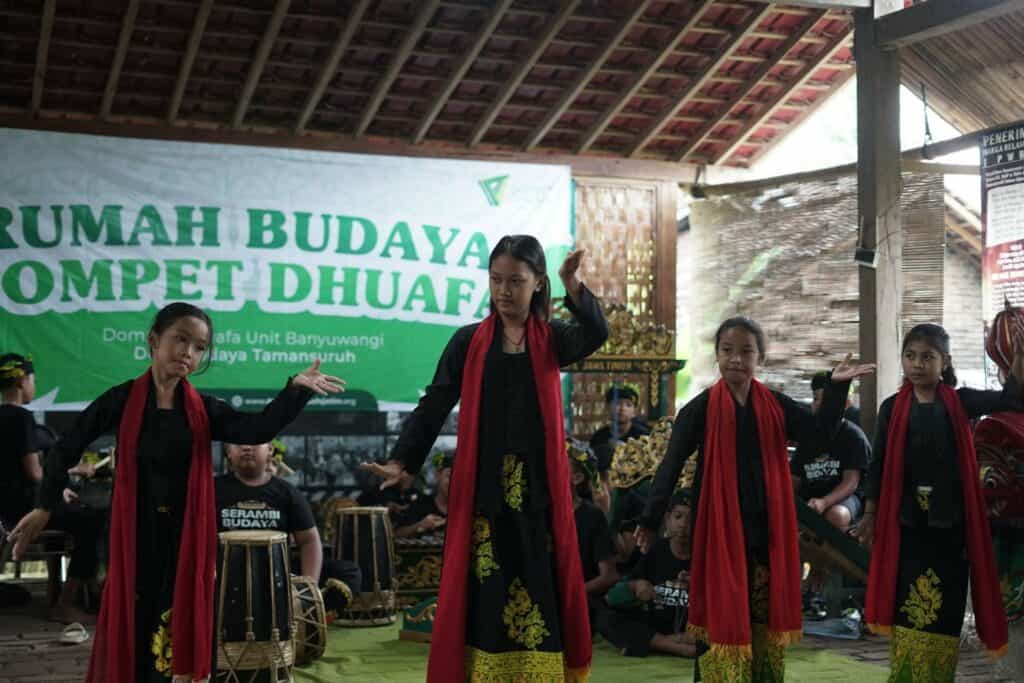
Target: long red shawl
[115, 650]
[719, 605]
[448, 644]
[985, 593]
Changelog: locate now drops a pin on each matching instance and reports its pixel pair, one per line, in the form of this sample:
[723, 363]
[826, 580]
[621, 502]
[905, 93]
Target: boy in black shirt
[622, 402]
[250, 497]
[828, 468]
[653, 602]
[21, 471]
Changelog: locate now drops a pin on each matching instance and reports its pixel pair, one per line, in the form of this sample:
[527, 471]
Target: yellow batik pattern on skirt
[769, 655]
[522, 618]
[920, 657]
[512, 482]
[521, 666]
[161, 645]
[726, 664]
[484, 563]
[925, 600]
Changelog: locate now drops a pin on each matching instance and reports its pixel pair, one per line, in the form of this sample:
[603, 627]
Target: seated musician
[597, 549]
[396, 499]
[622, 402]
[428, 514]
[828, 468]
[251, 497]
[648, 610]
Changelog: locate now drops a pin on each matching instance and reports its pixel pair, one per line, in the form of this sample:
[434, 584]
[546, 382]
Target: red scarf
[448, 645]
[115, 650]
[985, 593]
[719, 606]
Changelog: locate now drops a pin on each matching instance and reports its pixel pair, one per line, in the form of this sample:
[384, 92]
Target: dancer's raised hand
[848, 369]
[391, 472]
[311, 378]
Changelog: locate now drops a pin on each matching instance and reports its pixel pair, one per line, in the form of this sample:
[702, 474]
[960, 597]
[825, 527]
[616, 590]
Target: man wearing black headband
[622, 402]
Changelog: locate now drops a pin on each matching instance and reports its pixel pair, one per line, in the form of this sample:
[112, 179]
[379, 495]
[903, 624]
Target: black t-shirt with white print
[276, 506]
[819, 461]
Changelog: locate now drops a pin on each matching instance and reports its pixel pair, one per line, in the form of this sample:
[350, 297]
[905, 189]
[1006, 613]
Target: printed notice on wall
[1002, 201]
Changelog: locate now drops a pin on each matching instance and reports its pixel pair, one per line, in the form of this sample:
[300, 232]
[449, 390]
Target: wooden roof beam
[123, 40]
[749, 24]
[639, 79]
[260, 61]
[42, 53]
[483, 35]
[194, 39]
[934, 18]
[825, 4]
[755, 76]
[835, 44]
[330, 67]
[971, 238]
[541, 44]
[573, 91]
[412, 36]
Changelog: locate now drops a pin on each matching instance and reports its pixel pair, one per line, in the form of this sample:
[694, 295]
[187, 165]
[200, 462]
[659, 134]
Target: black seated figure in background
[622, 402]
[828, 468]
[428, 514]
[594, 537]
[22, 444]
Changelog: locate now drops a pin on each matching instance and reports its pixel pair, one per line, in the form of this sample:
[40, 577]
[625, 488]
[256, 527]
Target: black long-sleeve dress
[932, 579]
[688, 438]
[688, 434]
[513, 608]
[164, 454]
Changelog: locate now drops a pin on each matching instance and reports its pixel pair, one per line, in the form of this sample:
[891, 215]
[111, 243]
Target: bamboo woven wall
[617, 223]
[783, 255]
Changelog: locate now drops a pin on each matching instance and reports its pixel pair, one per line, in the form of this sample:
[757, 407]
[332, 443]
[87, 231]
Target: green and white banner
[368, 263]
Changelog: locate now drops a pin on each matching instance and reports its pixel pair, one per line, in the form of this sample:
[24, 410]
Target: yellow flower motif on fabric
[924, 499]
[161, 645]
[512, 482]
[759, 594]
[523, 618]
[484, 563]
[925, 600]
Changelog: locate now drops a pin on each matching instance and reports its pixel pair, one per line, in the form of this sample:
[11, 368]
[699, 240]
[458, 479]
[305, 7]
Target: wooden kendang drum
[253, 608]
[310, 633]
[363, 535]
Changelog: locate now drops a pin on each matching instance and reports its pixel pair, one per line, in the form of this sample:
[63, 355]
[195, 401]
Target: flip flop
[74, 634]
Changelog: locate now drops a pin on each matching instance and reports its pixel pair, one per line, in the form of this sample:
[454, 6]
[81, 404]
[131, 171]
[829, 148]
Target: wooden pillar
[878, 188]
[665, 279]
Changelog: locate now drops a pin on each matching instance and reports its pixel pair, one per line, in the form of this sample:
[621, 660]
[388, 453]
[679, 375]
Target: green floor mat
[376, 655]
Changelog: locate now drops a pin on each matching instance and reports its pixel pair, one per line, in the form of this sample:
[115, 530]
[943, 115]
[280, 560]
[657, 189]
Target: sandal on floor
[74, 634]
